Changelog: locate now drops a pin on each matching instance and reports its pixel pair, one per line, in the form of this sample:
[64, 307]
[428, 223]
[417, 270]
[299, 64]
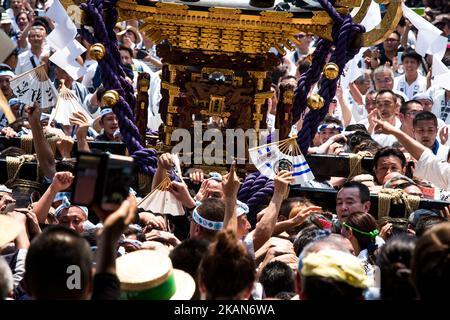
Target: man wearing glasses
[303, 48]
[407, 113]
[388, 51]
[384, 80]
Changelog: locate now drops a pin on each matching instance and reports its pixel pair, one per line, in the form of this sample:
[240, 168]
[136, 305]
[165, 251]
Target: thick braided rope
[344, 31]
[309, 78]
[244, 191]
[13, 166]
[312, 75]
[397, 196]
[354, 163]
[262, 195]
[113, 78]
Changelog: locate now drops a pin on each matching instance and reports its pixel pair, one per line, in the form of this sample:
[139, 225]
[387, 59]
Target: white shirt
[430, 167]
[295, 55]
[385, 140]
[14, 25]
[442, 152]
[441, 105]
[419, 85]
[90, 66]
[154, 96]
[359, 111]
[24, 63]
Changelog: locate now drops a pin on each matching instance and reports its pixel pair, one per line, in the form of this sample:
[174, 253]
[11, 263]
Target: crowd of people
[289, 248]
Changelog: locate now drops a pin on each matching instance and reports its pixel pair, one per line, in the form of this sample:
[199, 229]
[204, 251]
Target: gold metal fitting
[331, 71]
[315, 101]
[97, 51]
[110, 98]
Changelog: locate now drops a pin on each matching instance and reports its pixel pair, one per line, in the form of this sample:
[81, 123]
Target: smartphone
[102, 179]
[118, 178]
[399, 57]
[141, 54]
[39, 13]
[86, 176]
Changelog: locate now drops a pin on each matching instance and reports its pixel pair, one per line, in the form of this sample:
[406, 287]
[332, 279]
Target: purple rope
[113, 78]
[244, 191]
[262, 196]
[256, 190]
[344, 30]
[309, 78]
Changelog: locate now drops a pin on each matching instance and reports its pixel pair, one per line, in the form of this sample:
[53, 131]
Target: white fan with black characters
[273, 157]
[35, 86]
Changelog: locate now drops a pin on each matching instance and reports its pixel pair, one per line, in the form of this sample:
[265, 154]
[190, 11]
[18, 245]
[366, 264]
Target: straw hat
[149, 275]
[137, 35]
[9, 229]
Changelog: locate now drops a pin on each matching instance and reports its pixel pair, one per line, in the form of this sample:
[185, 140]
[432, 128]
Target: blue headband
[105, 111]
[215, 176]
[7, 73]
[61, 195]
[329, 126]
[241, 209]
[205, 223]
[66, 204]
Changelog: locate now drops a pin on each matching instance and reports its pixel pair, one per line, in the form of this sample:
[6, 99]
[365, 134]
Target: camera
[141, 54]
[39, 13]
[102, 180]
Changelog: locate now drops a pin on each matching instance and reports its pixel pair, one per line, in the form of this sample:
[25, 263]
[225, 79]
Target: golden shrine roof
[235, 26]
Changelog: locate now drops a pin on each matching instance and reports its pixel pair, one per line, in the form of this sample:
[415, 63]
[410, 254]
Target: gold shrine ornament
[331, 71]
[315, 101]
[97, 51]
[110, 98]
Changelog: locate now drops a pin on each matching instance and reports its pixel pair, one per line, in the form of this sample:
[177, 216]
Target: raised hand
[62, 180]
[8, 132]
[196, 176]
[65, 146]
[80, 120]
[116, 223]
[443, 134]
[281, 182]
[181, 192]
[34, 113]
[231, 182]
[303, 214]
[383, 127]
[165, 161]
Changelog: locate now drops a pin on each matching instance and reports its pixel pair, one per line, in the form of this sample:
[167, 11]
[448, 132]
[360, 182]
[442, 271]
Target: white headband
[66, 204]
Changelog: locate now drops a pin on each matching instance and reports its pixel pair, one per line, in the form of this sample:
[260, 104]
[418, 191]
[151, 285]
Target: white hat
[4, 188]
[149, 275]
[241, 208]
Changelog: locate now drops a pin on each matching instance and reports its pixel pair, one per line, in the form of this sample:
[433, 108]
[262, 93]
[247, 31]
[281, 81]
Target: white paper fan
[35, 86]
[67, 104]
[162, 201]
[273, 157]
